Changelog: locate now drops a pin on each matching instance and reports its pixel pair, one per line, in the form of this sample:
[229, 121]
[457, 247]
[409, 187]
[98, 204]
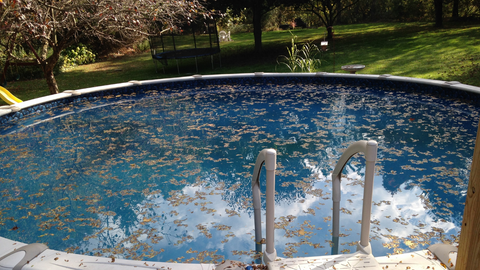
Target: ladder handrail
[369, 148]
[269, 158]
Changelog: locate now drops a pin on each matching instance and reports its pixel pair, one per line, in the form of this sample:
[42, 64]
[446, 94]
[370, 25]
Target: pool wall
[62, 260]
[442, 89]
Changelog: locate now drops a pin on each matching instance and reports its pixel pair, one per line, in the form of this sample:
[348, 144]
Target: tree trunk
[48, 66]
[438, 13]
[339, 12]
[329, 32]
[455, 9]
[51, 82]
[257, 25]
[44, 52]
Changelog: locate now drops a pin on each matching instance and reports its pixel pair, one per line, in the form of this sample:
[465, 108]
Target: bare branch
[62, 23]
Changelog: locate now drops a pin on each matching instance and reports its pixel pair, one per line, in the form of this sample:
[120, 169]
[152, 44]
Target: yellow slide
[8, 97]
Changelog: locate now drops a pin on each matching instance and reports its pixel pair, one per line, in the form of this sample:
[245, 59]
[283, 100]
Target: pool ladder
[268, 158]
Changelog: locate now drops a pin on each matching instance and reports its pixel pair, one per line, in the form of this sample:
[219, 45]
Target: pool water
[166, 176]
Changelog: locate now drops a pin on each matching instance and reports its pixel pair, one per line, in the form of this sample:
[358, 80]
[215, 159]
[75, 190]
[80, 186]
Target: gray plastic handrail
[269, 158]
[442, 252]
[369, 148]
[31, 251]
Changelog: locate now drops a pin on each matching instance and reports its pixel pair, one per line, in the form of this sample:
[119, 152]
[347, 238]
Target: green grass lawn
[403, 49]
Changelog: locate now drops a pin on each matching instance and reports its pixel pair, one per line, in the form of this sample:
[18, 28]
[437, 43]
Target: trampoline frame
[161, 45]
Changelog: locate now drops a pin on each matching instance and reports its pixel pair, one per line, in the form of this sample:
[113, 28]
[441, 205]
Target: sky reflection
[168, 177]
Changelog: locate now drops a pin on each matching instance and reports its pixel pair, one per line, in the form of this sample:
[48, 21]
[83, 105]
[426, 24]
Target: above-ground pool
[162, 170]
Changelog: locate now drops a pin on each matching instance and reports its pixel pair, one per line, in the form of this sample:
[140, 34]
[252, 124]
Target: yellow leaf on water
[410, 244]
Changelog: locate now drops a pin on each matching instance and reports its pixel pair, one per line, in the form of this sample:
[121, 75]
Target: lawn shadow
[417, 51]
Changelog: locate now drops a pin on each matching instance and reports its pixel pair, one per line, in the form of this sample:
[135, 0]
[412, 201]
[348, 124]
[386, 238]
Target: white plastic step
[354, 261]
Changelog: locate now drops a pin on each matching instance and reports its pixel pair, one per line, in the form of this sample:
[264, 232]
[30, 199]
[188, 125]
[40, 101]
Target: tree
[438, 13]
[455, 9]
[46, 27]
[329, 11]
[258, 8]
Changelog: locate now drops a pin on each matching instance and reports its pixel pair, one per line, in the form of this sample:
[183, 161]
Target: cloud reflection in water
[161, 177]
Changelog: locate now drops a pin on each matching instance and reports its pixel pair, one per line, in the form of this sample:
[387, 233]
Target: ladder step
[352, 261]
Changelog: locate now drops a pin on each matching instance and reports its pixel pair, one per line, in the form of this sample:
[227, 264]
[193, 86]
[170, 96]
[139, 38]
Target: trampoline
[190, 40]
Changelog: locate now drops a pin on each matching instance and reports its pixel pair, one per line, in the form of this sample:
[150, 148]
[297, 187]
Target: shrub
[19, 72]
[142, 45]
[76, 55]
